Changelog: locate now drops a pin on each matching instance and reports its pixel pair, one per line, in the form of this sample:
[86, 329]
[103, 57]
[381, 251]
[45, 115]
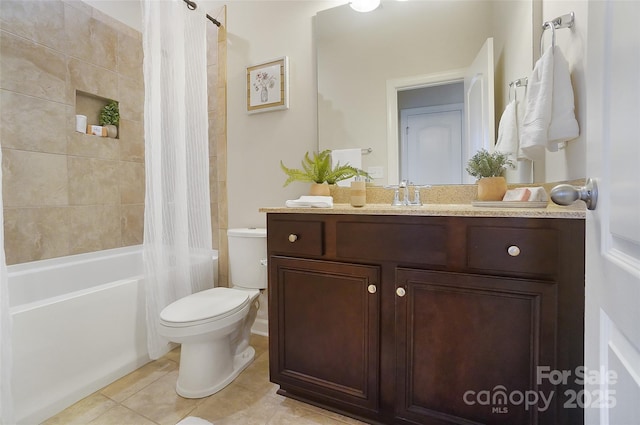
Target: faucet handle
[396, 198]
[416, 197]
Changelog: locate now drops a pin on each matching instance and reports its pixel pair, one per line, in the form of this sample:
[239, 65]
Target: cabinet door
[469, 348]
[323, 328]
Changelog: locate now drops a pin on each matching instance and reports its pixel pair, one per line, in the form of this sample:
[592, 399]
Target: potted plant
[489, 168]
[110, 118]
[317, 169]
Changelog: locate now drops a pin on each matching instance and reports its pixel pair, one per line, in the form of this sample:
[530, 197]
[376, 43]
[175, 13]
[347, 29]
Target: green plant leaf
[110, 114]
[317, 168]
[486, 164]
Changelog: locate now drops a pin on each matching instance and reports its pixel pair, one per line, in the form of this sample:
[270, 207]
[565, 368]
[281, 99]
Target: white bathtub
[78, 325]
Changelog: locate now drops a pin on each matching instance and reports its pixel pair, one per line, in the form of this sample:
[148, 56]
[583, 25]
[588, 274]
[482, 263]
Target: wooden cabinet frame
[458, 268]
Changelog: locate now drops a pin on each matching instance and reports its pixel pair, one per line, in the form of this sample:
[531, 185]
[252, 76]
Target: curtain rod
[191, 5]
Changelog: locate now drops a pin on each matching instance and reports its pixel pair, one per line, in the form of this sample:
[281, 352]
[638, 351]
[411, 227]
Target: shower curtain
[6, 401]
[177, 217]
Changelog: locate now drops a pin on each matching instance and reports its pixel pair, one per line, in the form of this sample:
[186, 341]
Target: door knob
[565, 194]
[401, 292]
[372, 289]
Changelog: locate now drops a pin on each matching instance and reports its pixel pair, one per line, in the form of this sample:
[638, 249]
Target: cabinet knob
[293, 237]
[372, 289]
[513, 250]
[401, 292]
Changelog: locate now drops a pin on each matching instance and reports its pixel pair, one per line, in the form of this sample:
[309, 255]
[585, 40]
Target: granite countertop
[576, 211]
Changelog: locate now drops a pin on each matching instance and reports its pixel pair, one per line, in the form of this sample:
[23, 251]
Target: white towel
[352, 157]
[311, 201]
[508, 140]
[537, 115]
[192, 420]
[549, 117]
[563, 126]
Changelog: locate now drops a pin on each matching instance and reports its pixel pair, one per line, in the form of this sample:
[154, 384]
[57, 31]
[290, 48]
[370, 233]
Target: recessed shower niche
[92, 106]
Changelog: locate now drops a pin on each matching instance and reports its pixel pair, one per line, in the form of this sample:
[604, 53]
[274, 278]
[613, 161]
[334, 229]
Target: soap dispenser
[358, 192]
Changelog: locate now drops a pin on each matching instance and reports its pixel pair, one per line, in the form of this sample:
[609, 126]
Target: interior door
[612, 328]
[479, 105]
[431, 145]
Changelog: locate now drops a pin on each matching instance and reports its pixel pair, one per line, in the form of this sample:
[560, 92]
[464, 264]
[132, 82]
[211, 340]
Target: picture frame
[268, 86]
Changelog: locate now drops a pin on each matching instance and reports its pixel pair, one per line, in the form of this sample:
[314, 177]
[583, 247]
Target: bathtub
[78, 325]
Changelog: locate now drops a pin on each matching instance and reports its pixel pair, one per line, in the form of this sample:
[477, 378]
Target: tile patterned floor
[147, 396]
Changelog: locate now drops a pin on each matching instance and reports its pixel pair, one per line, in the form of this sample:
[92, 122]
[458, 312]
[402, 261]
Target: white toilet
[214, 325]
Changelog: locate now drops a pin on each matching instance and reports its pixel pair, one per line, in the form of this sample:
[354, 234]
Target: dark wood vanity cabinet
[427, 320]
[328, 325]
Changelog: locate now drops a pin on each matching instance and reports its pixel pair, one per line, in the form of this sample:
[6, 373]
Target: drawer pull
[372, 289]
[513, 250]
[293, 237]
[401, 292]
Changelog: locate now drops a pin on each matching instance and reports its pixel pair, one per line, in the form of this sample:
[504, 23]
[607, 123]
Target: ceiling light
[364, 5]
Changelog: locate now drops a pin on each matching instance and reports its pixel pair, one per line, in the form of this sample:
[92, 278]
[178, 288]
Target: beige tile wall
[65, 192]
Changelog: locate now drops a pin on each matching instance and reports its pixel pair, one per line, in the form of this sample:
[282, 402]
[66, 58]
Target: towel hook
[548, 24]
[520, 82]
[564, 21]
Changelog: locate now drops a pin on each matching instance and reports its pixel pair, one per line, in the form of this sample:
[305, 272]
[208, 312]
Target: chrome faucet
[406, 201]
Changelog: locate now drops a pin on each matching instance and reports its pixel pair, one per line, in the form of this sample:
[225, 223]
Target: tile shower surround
[65, 192]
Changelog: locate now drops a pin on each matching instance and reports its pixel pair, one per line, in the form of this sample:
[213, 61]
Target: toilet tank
[248, 257]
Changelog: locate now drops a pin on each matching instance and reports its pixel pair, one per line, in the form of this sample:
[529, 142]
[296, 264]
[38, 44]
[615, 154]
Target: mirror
[360, 54]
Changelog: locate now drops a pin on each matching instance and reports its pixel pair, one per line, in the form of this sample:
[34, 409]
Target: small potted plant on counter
[110, 118]
[489, 168]
[317, 169]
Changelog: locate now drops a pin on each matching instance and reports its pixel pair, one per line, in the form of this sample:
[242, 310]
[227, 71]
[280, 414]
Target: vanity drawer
[403, 243]
[296, 237]
[517, 250]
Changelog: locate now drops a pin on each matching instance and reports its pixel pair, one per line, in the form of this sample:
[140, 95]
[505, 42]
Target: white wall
[258, 31]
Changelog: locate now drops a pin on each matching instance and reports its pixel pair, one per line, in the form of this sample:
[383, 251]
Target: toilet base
[207, 368]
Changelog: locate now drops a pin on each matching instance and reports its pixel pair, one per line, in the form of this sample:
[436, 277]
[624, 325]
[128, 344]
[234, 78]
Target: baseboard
[260, 327]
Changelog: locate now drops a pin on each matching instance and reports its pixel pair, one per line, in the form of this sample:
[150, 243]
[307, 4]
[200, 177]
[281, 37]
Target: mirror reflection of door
[476, 93]
[479, 105]
[431, 144]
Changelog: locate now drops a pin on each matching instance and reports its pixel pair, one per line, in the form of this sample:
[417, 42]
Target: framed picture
[268, 86]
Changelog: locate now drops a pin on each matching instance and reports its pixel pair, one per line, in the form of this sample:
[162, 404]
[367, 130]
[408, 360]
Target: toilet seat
[203, 307]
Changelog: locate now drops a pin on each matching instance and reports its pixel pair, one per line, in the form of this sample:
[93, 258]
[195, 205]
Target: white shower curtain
[177, 217]
[6, 401]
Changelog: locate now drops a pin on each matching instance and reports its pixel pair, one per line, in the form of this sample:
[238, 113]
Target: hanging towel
[352, 157]
[549, 117]
[537, 115]
[508, 140]
[563, 126]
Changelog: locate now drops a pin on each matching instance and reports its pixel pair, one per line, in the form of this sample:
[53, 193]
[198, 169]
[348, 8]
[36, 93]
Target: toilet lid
[205, 305]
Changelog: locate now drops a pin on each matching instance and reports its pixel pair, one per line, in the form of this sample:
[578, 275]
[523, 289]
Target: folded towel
[352, 157]
[192, 420]
[311, 201]
[508, 140]
[563, 126]
[538, 108]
